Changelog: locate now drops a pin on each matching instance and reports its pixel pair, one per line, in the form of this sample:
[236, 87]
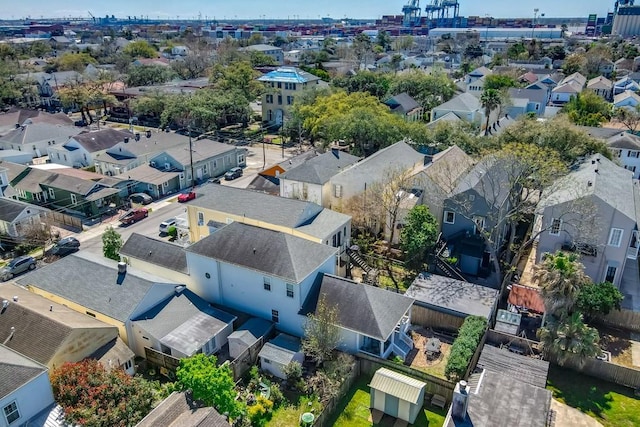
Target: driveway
[566, 416]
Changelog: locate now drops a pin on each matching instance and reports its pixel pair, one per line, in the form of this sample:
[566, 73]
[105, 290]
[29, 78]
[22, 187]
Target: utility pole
[193, 177]
[535, 15]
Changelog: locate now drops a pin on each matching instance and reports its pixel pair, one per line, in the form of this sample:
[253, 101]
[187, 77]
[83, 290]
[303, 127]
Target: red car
[185, 197]
[134, 215]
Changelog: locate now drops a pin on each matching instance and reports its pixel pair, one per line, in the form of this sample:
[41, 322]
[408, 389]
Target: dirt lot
[417, 358]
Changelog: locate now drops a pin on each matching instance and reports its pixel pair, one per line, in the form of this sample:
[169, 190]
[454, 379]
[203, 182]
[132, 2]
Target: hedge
[464, 347]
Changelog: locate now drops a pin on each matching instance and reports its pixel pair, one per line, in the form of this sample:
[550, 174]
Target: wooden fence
[623, 319]
[249, 357]
[428, 318]
[64, 221]
[161, 360]
[370, 364]
[501, 338]
[611, 372]
[322, 419]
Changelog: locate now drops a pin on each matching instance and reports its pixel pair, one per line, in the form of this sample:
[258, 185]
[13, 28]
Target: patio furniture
[433, 345]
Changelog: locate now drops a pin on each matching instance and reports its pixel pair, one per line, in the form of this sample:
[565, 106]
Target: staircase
[448, 270]
[402, 345]
[371, 274]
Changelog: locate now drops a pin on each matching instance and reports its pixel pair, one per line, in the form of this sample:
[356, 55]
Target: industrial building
[626, 22]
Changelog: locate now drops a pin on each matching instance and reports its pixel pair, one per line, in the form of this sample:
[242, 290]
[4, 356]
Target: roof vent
[126, 140]
[122, 267]
[593, 162]
[5, 304]
[15, 298]
[254, 251]
[596, 171]
[178, 289]
[589, 183]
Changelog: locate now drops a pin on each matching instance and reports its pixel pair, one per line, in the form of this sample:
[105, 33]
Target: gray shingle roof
[517, 366]
[10, 209]
[463, 298]
[271, 252]
[101, 139]
[18, 116]
[362, 308]
[533, 95]
[251, 330]
[184, 321]
[263, 207]
[155, 251]
[29, 134]
[463, 102]
[94, 283]
[158, 142]
[597, 132]
[625, 141]
[16, 370]
[179, 410]
[282, 349]
[402, 102]
[611, 184]
[322, 168]
[202, 150]
[113, 354]
[489, 178]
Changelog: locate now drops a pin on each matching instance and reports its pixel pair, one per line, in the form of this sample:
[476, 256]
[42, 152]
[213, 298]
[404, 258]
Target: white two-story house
[626, 148]
[81, 150]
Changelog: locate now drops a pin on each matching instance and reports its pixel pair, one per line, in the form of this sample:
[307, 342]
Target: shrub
[464, 346]
[172, 231]
[293, 371]
[276, 395]
[260, 413]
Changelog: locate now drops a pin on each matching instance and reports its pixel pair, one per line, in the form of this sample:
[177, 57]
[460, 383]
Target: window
[556, 226]
[269, 99]
[279, 85]
[611, 274]
[52, 193]
[11, 412]
[337, 190]
[279, 99]
[74, 200]
[38, 197]
[266, 361]
[90, 314]
[449, 217]
[65, 157]
[615, 237]
[275, 316]
[127, 365]
[289, 290]
[240, 158]
[204, 169]
[200, 218]
[215, 164]
[266, 283]
[209, 347]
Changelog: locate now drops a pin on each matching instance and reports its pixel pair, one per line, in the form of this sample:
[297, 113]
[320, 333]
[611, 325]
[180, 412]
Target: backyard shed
[278, 353]
[247, 335]
[397, 395]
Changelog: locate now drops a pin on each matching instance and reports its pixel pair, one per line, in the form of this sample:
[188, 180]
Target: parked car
[134, 215]
[214, 180]
[185, 197]
[65, 246]
[17, 266]
[166, 224]
[233, 173]
[141, 198]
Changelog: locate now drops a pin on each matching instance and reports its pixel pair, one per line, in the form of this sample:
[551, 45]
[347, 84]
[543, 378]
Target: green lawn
[353, 410]
[610, 404]
[289, 415]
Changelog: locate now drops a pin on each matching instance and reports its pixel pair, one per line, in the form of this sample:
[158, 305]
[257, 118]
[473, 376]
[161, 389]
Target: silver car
[17, 266]
[166, 224]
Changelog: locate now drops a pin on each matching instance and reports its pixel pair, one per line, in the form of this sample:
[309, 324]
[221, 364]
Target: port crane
[440, 10]
[411, 13]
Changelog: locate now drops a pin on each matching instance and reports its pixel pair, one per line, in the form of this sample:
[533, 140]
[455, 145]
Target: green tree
[490, 100]
[560, 277]
[260, 59]
[210, 383]
[12, 88]
[499, 82]
[428, 89]
[630, 118]
[515, 50]
[464, 346]
[418, 235]
[151, 104]
[375, 84]
[111, 244]
[588, 109]
[321, 331]
[74, 62]
[148, 75]
[140, 49]
[569, 340]
[598, 299]
[238, 76]
[383, 39]
[362, 47]
[94, 397]
[574, 63]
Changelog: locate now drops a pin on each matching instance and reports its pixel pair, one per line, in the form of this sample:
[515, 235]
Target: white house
[38, 137]
[15, 216]
[626, 147]
[466, 106]
[626, 99]
[25, 389]
[81, 150]
[265, 273]
[278, 353]
[602, 86]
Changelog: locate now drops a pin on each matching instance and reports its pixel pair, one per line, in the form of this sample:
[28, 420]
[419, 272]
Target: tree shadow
[585, 393]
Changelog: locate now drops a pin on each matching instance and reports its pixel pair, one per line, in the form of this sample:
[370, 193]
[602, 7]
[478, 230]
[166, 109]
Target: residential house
[16, 156]
[562, 93]
[222, 205]
[543, 63]
[626, 147]
[450, 117]
[15, 216]
[626, 99]
[16, 117]
[278, 353]
[157, 257]
[25, 390]
[311, 181]
[443, 302]
[625, 84]
[371, 319]
[606, 67]
[476, 87]
[283, 85]
[182, 325]
[355, 179]
[466, 106]
[594, 211]
[265, 273]
[207, 159]
[181, 410]
[602, 86]
[100, 288]
[136, 151]
[273, 52]
[268, 180]
[81, 150]
[526, 101]
[476, 74]
[623, 64]
[397, 395]
[405, 106]
[47, 86]
[52, 334]
[38, 137]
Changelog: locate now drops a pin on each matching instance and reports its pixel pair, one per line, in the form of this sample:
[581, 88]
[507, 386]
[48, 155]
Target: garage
[396, 394]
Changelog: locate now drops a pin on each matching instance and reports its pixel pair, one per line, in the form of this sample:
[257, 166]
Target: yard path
[635, 349]
[566, 416]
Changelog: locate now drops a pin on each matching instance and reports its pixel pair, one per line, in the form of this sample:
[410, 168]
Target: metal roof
[397, 385]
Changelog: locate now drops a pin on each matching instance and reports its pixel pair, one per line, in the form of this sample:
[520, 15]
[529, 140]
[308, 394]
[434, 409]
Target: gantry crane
[440, 10]
[411, 13]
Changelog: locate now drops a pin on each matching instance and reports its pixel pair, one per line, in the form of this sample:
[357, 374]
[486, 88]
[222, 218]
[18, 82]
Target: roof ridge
[366, 292]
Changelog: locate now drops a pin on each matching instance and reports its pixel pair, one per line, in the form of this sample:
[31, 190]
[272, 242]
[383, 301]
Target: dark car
[65, 246]
[17, 266]
[140, 198]
[134, 215]
[233, 173]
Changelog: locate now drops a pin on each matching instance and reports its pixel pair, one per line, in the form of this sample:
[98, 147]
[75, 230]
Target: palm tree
[490, 100]
[560, 277]
[569, 340]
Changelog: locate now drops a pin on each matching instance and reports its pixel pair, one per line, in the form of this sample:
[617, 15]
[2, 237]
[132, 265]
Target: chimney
[50, 308]
[122, 267]
[593, 162]
[17, 125]
[5, 304]
[428, 158]
[596, 171]
[460, 401]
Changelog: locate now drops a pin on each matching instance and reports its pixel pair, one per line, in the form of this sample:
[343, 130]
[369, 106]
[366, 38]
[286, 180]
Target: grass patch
[289, 415]
[353, 410]
[610, 404]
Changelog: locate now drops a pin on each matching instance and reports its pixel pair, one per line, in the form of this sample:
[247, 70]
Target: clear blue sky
[230, 9]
